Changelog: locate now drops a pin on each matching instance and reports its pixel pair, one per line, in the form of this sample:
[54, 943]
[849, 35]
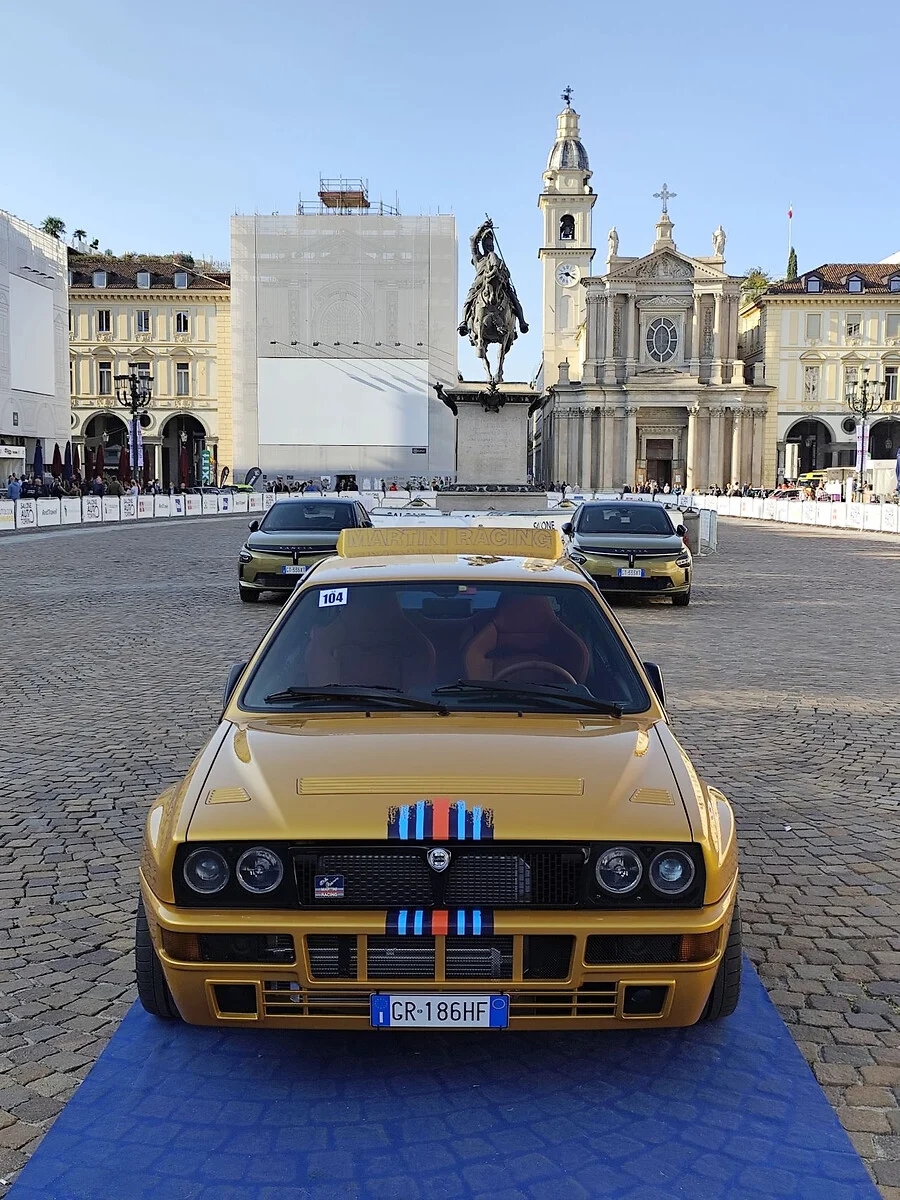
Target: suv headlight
[619, 870]
[245, 556]
[206, 872]
[683, 559]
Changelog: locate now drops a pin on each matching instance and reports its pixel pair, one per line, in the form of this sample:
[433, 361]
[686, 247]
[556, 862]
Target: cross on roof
[567, 96]
[665, 195]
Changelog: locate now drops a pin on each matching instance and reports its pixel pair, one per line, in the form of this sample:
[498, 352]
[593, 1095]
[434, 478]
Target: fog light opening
[644, 1001]
[235, 999]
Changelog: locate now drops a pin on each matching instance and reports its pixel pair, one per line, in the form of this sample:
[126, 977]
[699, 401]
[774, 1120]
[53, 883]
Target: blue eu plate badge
[329, 887]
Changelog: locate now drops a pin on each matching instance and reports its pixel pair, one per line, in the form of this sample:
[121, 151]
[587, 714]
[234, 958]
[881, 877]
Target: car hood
[558, 777]
[319, 538]
[640, 544]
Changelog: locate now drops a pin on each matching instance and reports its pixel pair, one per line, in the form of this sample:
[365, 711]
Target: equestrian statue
[492, 307]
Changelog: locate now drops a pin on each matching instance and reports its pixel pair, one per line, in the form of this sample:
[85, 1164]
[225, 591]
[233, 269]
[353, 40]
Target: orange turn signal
[185, 947]
[698, 947]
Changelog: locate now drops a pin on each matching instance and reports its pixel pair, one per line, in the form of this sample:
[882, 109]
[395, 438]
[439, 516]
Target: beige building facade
[641, 369]
[813, 337]
[167, 319]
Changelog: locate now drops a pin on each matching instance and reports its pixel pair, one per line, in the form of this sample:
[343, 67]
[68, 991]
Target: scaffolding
[345, 197]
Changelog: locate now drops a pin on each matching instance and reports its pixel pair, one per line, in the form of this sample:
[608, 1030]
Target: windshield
[612, 519]
[290, 516]
[545, 646]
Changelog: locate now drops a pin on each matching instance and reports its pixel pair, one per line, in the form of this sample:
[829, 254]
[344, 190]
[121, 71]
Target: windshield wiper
[535, 691]
[378, 695]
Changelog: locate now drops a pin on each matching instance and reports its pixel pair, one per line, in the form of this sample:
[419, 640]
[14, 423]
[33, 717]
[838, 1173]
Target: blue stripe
[404, 822]
[460, 921]
[476, 823]
[401, 921]
[476, 921]
[420, 820]
[461, 820]
[417, 922]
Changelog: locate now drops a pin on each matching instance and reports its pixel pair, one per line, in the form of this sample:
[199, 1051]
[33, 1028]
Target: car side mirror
[681, 530]
[655, 675]
[254, 525]
[567, 529]
[234, 675]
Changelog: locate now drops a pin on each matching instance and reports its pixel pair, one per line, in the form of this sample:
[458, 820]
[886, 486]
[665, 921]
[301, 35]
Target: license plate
[631, 572]
[437, 1011]
[294, 570]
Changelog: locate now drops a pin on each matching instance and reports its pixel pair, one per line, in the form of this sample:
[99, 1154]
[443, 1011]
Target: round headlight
[206, 872]
[245, 556]
[577, 556]
[672, 872]
[259, 870]
[619, 870]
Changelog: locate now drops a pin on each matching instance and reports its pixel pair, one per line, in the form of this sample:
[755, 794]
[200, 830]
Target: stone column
[758, 466]
[716, 376]
[587, 418]
[608, 446]
[737, 473]
[690, 474]
[592, 337]
[631, 311]
[715, 446]
[609, 366]
[629, 464]
[696, 335]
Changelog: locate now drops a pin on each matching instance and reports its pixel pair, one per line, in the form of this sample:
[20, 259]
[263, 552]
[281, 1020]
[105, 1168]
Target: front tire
[153, 991]
[682, 599]
[248, 595]
[726, 990]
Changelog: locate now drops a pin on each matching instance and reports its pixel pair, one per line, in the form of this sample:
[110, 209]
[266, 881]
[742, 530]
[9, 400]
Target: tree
[79, 234]
[792, 265]
[55, 226]
[95, 244]
[755, 283]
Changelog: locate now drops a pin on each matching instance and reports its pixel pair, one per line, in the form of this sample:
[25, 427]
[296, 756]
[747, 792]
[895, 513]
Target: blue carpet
[176, 1113]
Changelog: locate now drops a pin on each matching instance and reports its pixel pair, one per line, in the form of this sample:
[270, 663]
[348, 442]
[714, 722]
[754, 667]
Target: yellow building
[812, 338]
[166, 318]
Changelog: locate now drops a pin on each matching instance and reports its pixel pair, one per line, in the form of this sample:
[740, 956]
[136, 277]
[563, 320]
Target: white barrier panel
[872, 518]
[809, 509]
[176, 506]
[855, 516]
[225, 502]
[255, 502]
[723, 506]
[839, 513]
[769, 508]
[757, 507]
[71, 510]
[239, 501]
[7, 514]
[162, 506]
[26, 514]
[746, 506]
[128, 508]
[111, 508]
[48, 512]
[795, 512]
[268, 499]
[144, 507]
[890, 518]
[92, 508]
[209, 504]
[823, 513]
[193, 505]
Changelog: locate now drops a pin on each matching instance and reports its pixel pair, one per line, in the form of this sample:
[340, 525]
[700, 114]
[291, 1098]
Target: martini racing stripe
[472, 922]
[440, 820]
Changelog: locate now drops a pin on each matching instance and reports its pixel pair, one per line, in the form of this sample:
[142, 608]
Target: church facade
[641, 375]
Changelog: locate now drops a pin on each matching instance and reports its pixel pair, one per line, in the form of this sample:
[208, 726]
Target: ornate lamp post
[863, 399]
[134, 392]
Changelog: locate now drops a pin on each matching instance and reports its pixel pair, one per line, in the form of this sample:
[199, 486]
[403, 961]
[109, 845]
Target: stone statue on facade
[719, 242]
[613, 249]
[491, 308]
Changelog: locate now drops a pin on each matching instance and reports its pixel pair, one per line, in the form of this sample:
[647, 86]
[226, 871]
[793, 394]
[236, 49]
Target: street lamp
[863, 399]
[134, 392]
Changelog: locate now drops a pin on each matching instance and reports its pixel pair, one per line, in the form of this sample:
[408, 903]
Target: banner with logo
[7, 514]
[128, 508]
[161, 506]
[176, 507]
[193, 506]
[71, 510]
[92, 508]
[26, 514]
[225, 502]
[144, 507]
[210, 504]
[110, 508]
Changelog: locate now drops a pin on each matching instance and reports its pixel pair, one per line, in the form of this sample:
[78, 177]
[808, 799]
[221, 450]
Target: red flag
[791, 212]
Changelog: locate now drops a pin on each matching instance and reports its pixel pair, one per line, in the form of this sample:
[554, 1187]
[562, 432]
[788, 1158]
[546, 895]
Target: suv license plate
[294, 570]
[631, 572]
[435, 1011]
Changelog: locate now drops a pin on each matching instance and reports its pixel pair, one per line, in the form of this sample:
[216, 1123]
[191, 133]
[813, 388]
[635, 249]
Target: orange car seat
[525, 629]
[380, 645]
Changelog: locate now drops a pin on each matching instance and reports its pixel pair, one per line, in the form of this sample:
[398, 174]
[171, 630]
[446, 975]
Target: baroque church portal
[641, 371]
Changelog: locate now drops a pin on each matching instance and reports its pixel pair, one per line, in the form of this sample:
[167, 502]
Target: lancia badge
[439, 858]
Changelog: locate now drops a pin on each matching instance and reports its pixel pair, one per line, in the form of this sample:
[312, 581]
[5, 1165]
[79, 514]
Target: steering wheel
[536, 664]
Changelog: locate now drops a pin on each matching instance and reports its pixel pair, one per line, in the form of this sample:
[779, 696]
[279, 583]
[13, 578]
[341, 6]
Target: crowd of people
[417, 483]
[33, 487]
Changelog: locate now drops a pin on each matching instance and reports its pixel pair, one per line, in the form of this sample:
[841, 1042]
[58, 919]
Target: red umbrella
[99, 464]
[76, 458]
[123, 463]
[56, 464]
[148, 465]
[183, 467]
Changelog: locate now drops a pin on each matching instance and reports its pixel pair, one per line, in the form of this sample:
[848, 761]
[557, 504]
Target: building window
[143, 320]
[854, 284]
[894, 283]
[814, 284]
[892, 325]
[71, 378]
[99, 279]
[181, 279]
[662, 340]
[890, 383]
[567, 228]
[182, 379]
[104, 379]
[851, 379]
[70, 275]
[813, 325]
[182, 322]
[139, 368]
[143, 279]
[854, 325]
[104, 323]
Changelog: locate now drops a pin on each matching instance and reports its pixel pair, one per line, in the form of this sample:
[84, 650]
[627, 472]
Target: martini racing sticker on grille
[329, 887]
[444, 820]
[472, 922]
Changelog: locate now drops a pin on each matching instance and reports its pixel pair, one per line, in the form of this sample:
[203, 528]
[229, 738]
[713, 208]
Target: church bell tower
[566, 252]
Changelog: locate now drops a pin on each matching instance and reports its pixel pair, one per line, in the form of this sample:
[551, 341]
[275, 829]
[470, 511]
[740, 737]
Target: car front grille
[640, 949]
[618, 583]
[497, 877]
[338, 956]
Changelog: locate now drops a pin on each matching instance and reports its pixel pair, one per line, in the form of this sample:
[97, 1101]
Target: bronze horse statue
[492, 309]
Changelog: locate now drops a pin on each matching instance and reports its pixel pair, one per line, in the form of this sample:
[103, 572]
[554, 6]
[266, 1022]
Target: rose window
[662, 339]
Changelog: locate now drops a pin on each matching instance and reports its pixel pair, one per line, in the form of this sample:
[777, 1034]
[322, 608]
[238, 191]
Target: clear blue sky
[148, 125]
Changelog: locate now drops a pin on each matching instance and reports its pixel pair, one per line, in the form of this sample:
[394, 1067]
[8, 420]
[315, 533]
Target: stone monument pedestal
[491, 431]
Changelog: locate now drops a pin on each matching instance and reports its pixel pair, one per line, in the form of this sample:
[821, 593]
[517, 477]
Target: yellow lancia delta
[443, 793]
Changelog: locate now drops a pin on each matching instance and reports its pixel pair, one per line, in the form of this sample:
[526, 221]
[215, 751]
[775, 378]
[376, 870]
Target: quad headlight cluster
[620, 871]
[258, 870]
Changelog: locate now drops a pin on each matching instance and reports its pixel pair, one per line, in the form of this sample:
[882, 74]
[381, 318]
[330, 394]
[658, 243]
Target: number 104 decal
[332, 596]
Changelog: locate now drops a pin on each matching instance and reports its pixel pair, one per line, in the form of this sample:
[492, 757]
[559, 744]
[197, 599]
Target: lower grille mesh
[335, 956]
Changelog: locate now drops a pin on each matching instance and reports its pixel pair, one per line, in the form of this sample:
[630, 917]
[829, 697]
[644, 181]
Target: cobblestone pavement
[782, 683]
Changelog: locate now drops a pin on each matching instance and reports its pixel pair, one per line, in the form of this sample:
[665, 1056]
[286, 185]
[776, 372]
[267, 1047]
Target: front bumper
[587, 996]
[263, 573]
[660, 578]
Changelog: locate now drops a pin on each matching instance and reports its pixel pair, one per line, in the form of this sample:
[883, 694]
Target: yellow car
[632, 547]
[443, 794]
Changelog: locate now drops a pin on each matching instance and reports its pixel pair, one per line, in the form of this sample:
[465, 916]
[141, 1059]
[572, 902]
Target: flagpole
[790, 227]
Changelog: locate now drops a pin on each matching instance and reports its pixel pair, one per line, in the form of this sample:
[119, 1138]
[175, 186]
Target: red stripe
[440, 820]
[439, 921]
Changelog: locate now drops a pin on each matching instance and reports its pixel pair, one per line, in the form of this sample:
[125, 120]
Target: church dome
[568, 151]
